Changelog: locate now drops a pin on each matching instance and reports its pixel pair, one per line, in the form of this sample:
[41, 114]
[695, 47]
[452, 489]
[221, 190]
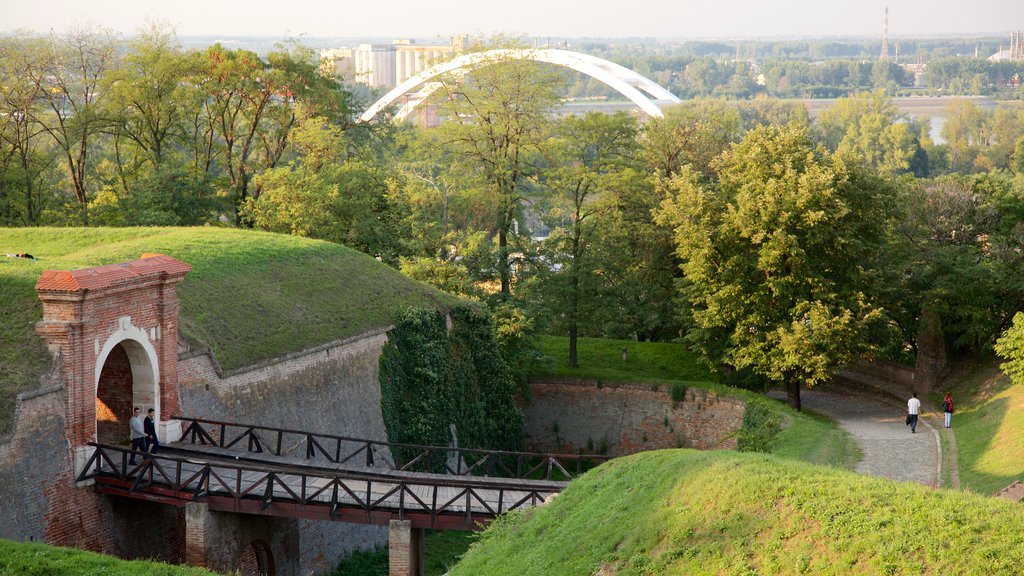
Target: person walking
[138, 434]
[149, 425]
[913, 411]
[947, 408]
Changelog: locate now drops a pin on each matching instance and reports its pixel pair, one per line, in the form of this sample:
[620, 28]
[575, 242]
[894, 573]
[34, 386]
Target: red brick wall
[566, 415]
[82, 310]
[114, 398]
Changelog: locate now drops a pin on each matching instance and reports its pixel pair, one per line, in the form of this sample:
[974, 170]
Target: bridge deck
[229, 475]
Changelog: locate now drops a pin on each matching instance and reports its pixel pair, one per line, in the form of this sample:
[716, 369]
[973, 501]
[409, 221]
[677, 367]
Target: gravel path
[878, 426]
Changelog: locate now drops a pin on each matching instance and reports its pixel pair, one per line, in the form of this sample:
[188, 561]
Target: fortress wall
[897, 380]
[572, 415]
[331, 389]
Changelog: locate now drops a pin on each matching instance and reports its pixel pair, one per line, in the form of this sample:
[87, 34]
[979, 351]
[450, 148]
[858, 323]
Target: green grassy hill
[251, 296]
[988, 425]
[693, 513]
[25, 559]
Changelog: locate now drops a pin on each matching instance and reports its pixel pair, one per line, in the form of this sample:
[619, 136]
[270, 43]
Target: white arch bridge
[642, 91]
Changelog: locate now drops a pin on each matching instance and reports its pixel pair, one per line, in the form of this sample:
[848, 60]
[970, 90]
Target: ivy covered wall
[432, 376]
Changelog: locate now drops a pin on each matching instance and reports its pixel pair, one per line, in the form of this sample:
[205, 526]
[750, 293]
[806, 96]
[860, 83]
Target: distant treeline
[812, 69]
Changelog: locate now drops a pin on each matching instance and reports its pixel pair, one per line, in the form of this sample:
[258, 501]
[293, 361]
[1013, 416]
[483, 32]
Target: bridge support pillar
[405, 549]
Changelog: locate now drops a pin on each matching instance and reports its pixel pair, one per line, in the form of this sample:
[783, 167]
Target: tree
[589, 153]
[252, 105]
[352, 202]
[690, 133]
[957, 265]
[1010, 347]
[494, 120]
[867, 127]
[775, 254]
[146, 92]
[67, 74]
[23, 157]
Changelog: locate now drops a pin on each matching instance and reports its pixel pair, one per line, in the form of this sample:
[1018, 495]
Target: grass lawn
[683, 512]
[251, 296]
[602, 359]
[31, 559]
[989, 428]
[805, 437]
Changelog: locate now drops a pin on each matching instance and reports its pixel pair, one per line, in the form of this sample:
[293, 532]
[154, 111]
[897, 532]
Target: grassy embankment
[803, 436]
[30, 559]
[251, 296]
[665, 365]
[988, 426]
[694, 513]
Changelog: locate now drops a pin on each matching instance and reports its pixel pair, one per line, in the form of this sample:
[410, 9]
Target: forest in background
[778, 246]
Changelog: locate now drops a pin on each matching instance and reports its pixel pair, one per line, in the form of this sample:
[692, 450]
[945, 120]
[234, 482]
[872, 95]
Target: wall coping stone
[191, 354]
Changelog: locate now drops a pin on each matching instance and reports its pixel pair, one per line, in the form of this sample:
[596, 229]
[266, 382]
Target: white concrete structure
[643, 92]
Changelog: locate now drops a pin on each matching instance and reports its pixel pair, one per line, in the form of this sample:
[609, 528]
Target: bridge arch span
[645, 93]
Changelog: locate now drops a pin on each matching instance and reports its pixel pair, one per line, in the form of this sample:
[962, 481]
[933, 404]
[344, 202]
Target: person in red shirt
[947, 408]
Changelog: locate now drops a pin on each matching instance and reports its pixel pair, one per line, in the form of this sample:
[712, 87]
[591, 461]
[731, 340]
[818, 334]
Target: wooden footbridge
[253, 469]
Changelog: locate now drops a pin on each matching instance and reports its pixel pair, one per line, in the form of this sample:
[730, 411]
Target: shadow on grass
[977, 431]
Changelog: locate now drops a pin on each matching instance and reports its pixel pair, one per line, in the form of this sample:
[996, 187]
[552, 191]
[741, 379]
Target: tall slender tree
[495, 119]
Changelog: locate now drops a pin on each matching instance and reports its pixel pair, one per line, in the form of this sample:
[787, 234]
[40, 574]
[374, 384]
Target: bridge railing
[398, 456]
[170, 479]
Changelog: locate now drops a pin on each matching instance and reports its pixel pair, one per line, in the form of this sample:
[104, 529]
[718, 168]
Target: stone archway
[257, 560]
[121, 319]
[127, 377]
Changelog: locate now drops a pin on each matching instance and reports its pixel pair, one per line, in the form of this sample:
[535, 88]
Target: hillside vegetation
[30, 559]
[989, 427]
[251, 296]
[691, 513]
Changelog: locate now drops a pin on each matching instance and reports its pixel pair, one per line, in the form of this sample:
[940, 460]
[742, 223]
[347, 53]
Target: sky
[536, 18]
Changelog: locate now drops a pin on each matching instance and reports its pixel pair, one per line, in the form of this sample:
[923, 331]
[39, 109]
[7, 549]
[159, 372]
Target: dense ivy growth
[434, 374]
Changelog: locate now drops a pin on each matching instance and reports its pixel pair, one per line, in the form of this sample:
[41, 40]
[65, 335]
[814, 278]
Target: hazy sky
[541, 18]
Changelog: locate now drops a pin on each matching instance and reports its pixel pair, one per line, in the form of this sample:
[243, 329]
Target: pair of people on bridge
[143, 433]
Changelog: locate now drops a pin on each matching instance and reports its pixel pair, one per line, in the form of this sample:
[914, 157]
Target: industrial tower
[885, 36]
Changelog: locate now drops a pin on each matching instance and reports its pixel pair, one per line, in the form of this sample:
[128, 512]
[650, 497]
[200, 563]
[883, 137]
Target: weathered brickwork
[331, 389]
[114, 398]
[113, 333]
[893, 378]
[223, 541]
[566, 415]
[32, 461]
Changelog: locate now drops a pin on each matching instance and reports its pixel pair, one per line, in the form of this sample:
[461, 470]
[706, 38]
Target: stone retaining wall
[571, 415]
[331, 389]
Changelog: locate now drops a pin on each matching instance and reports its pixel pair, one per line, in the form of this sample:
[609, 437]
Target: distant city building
[1015, 53]
[385, 65]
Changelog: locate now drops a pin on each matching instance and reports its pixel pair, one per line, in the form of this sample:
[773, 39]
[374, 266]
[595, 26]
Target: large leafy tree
[24, 157]
[776, 253]
[956, 265]
[867, 127]
[68, 71]
[251, 105]
[589, 156]
[692, 133]
[495, 120]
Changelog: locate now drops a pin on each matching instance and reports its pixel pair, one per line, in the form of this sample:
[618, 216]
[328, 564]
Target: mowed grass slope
[26, 559]
[803, 436]
[251, 296]
[989, 427]
[682, 512]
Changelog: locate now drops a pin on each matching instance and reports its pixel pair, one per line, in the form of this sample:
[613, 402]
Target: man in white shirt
[138, 434]
[913, 411]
